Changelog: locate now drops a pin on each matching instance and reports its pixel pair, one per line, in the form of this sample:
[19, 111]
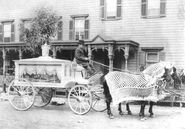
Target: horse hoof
[152, 115]
[140, 114]
[143, 118]
[129, 113]
[111, 116]
[121, 113]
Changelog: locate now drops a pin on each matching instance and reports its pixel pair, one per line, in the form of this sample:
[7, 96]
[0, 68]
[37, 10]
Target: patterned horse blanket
[125, 86]
[130, 87]
[157, 69]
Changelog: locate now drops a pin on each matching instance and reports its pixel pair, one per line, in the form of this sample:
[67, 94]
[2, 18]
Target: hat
[81, 42]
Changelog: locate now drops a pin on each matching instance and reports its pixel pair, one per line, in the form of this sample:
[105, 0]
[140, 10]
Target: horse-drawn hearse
[37, 78]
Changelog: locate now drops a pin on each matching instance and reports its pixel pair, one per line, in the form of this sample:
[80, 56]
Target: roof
[99, 39]
[42, 59]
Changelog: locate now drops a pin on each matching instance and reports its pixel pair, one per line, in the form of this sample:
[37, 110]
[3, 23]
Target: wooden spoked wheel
[43, 96]
[98, 99]
[21, 94]
[80, 99]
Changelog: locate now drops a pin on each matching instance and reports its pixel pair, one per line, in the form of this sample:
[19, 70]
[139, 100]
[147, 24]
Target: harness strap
[171, 92]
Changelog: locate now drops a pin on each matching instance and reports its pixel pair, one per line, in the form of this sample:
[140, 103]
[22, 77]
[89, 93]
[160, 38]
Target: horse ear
[165, 69]
[174, 69]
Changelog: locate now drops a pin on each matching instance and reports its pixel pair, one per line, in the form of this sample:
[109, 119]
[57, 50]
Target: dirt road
[61, 117]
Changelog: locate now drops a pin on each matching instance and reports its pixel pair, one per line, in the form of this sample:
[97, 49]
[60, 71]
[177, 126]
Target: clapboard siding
[167, 32]
[11, 9]
[132, 62]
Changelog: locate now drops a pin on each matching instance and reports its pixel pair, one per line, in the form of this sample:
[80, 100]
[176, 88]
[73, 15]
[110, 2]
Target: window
[60, 31]
[25, 24]
[59, 34]
[79, 28]
[152, 57]
[110, 9]
[153, 8]
[7, 32]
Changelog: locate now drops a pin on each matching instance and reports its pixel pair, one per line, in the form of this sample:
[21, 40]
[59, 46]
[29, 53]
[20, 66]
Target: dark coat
[80, 56]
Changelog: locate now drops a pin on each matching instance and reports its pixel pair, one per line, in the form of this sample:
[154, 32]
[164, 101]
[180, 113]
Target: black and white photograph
[92, 64]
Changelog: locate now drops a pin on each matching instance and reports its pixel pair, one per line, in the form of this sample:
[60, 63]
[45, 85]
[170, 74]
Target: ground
[61, 117]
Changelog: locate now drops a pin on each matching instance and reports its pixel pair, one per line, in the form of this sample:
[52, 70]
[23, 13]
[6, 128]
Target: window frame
[151, 10]
[12, 31]
[75, 29]
[60, 30]
[145, 10]
[103, 11]
[9, 32]
[152, 52]
[72, 29]
[143, 55]
[23, 22]
[115, 13]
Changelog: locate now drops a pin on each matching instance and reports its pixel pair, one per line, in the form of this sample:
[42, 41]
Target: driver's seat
[79, 68]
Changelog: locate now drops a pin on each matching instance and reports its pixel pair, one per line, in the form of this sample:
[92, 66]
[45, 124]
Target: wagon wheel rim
[21, 94]
[98, 99]
[80, 99]
[43, 96]
[98, 103]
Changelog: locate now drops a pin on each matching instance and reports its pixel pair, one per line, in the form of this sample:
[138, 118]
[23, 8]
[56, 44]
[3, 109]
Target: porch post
[4, 70]
[89, 52]
[20, 53]
[111, 56]
[54, 52]
[126, 57]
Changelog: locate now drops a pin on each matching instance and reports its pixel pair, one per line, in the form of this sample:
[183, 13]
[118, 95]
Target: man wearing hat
[82, 59]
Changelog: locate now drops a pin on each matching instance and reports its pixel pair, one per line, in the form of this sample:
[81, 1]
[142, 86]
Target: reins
[107, 67]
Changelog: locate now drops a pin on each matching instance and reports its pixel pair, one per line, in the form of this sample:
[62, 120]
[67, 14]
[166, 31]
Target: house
[122, 34]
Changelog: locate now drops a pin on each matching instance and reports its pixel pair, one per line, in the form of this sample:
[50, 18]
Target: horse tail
[106, 91]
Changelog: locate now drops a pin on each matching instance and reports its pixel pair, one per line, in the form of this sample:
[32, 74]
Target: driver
[82, 59]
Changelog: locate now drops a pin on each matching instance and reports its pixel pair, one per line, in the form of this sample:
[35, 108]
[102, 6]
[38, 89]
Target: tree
[42, 27]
